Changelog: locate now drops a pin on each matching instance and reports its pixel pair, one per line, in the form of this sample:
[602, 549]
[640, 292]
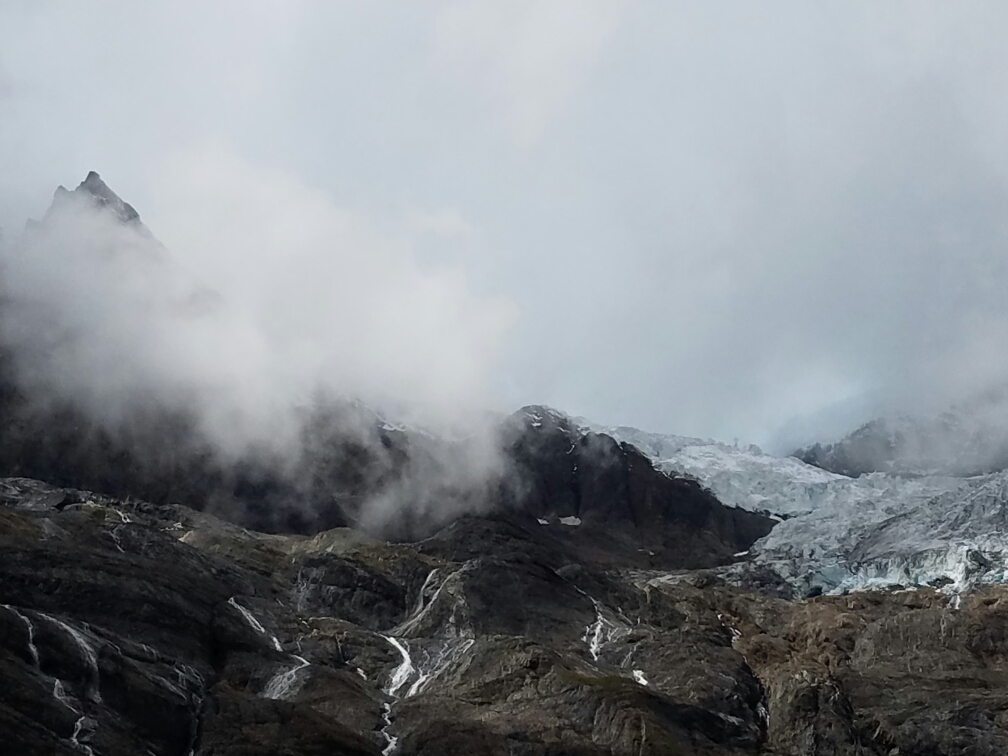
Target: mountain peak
[99, 192]
[95, 191]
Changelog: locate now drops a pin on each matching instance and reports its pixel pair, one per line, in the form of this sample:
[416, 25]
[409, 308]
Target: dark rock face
[120, 638]
[869, 449]
[128, 627]
[618, 496]
[549, 471]
[346, 458]
[568, 602]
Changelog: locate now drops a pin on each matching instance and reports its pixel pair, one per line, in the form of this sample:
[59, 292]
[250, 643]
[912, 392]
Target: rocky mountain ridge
[127, 627]
[962, 442]
[594, 591]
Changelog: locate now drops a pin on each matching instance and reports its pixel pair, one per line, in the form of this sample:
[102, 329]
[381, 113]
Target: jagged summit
[962, 442]
[95, 190]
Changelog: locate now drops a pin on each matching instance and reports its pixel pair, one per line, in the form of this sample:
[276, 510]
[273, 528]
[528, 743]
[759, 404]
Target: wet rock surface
[128, 627]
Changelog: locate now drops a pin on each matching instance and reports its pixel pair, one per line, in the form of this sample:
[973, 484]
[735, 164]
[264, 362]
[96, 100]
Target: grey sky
[726, 219]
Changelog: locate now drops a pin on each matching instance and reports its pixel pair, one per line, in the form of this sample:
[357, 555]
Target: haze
[760, 221]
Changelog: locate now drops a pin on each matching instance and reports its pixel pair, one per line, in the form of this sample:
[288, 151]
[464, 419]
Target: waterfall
[31, 633]
[254, 623]
[283, 682]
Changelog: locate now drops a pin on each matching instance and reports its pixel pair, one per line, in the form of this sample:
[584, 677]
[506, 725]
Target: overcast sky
[756, 220]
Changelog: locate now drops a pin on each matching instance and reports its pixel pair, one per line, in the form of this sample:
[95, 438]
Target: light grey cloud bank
[274, 301]
[712, 219]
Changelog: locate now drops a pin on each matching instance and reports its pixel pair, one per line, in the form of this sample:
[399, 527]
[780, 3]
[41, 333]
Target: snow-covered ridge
[969, 439]
[840, 533]
[743, 476]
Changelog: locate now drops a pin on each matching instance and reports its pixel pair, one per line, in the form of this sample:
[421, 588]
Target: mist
[769, 223]
[275, 297]
[283, 332]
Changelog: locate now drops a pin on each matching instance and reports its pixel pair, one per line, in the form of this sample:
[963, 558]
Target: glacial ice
[840, 534]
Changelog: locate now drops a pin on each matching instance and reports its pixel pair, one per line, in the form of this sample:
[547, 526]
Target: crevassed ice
[838, 533]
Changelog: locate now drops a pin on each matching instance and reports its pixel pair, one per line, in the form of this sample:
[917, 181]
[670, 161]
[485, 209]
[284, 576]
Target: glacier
[837, 533]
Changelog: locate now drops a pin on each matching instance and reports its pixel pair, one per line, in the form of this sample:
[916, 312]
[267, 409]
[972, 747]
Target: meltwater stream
[31, 632]
[601, 632]
[59, 693]
[403, 672]
[391, 741]
[254, 623]
[284, 683]
[78, 726]
[90, 657]
[399, 677]
[434, 656]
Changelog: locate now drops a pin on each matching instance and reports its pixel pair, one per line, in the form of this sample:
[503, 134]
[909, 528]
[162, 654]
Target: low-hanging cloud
[268, 299]
[772, 222]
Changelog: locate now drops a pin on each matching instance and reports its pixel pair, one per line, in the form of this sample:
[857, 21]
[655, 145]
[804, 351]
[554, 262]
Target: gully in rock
[449, 652]
[425, 607]
[76, 734]
[450, 649]
[283, 683]
[31, 633]
[403, 672]
[391, 741]
[254, 623]
[423, 590]
[90, 657]
[602, 632]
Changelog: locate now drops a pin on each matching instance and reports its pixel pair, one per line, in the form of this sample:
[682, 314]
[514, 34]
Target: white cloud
[527, 56]
[713, 215]
[309, 297]
[339, 299]
[447, 223]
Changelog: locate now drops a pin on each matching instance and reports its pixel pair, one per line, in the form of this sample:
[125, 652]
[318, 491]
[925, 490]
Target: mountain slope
[128, 628]
[590, 591]
[344, 463]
